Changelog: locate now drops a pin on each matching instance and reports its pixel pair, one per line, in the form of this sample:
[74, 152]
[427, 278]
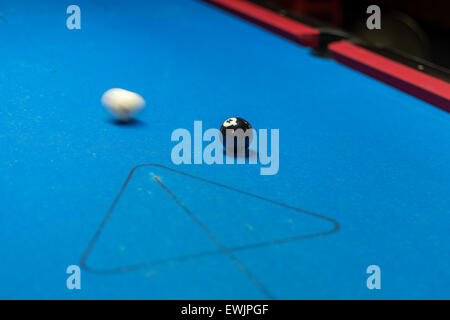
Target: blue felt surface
[362, 153]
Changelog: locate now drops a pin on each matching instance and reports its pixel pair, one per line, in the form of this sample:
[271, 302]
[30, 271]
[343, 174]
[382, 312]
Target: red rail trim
[286, 27]
[404, 78]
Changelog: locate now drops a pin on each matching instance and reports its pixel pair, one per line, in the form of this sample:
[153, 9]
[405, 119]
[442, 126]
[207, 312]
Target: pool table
[363, 179]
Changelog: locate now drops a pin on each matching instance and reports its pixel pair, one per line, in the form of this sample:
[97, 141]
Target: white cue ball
[122, 104]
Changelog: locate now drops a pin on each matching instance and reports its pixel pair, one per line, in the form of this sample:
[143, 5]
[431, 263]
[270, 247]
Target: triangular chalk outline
[206, 253]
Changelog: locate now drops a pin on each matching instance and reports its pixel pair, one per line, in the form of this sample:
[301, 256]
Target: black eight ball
[240, 131]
